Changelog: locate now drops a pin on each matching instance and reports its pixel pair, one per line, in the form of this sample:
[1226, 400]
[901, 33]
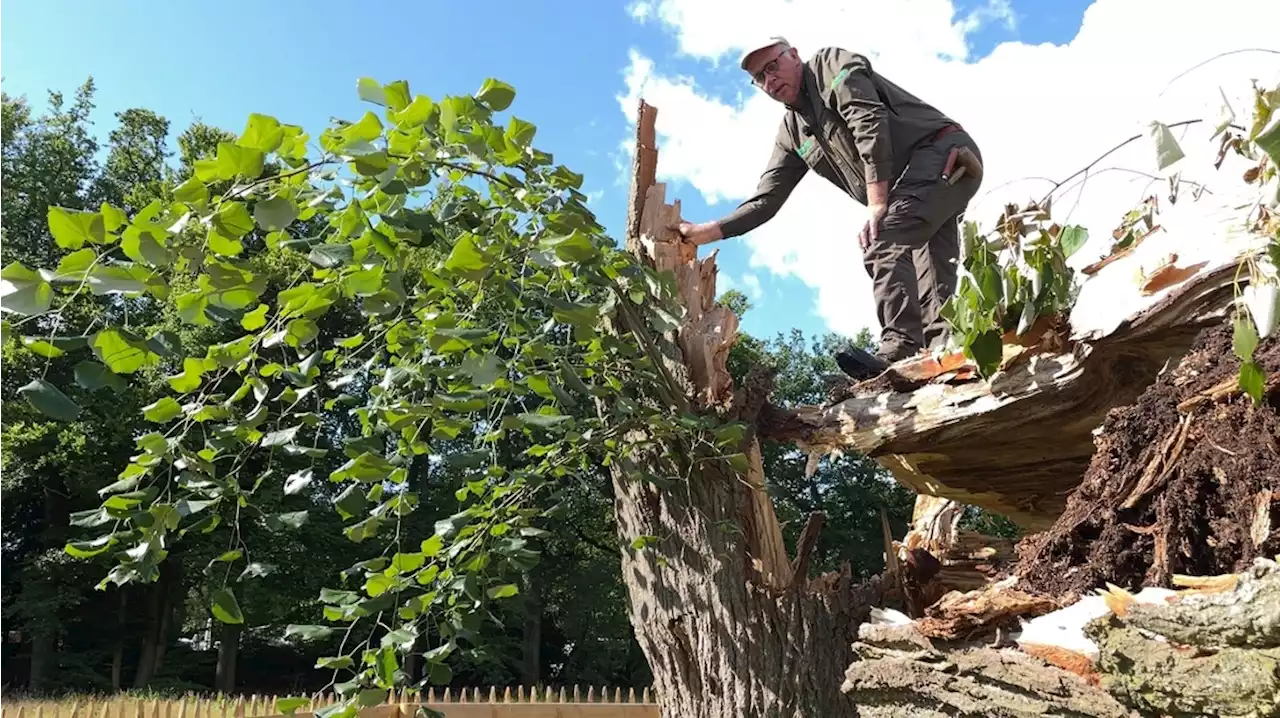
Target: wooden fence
[487, 702]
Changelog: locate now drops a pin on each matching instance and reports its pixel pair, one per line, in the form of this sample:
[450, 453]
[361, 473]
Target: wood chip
[1206, 584]
[960, 615]
[1260, 531]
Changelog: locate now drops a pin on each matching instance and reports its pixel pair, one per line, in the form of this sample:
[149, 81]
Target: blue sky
[299, 61]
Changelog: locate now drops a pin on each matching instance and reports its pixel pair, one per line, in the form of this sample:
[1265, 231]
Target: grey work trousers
[914, 261]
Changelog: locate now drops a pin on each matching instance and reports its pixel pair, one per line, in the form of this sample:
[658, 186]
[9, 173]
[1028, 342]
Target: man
[888, 150]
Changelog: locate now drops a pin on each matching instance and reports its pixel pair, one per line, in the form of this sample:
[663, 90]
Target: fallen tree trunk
[1020, 443]
[1133, 661]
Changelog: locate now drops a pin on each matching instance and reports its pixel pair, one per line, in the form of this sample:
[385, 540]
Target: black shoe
[859, 364]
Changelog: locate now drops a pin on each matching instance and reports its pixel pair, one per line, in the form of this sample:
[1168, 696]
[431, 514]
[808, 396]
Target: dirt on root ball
[1202, 484]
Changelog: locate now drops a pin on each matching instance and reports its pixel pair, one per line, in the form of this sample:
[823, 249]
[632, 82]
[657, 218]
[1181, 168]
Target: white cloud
[1000, 11]
[640, 10]
[752, 283]
[1037, 111]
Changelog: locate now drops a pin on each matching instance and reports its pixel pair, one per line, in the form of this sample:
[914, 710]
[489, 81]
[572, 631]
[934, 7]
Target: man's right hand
[700, 234]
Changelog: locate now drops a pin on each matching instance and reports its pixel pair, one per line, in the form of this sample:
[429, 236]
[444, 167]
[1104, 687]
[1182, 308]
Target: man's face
[778, 71]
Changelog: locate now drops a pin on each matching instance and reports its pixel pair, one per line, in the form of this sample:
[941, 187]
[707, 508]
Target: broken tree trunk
[1020, 443]
[730, 625]
[1209, 651]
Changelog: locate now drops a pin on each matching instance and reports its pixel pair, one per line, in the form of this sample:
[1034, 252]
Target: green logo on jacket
[805, 148]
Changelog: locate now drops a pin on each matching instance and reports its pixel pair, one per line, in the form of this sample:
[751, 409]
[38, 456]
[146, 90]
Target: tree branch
[1058, 185]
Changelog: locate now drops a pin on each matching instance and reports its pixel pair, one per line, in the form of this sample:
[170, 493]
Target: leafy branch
[497, 318]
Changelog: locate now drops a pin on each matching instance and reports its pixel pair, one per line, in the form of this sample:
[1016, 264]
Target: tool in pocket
[969, 164]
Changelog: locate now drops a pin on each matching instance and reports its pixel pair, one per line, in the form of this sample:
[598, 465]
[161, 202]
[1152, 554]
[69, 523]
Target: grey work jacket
[869, 124]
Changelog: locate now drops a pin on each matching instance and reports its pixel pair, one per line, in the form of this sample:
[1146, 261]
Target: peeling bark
[1248, 615]
[896, 677]
[1206, 651]
[1155, 675]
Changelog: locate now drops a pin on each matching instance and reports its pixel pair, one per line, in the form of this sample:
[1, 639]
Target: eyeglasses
[770, 68]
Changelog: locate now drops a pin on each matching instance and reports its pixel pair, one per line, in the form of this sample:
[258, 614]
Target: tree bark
[117, 655]
[531, 658]
[1020, 443]
[893, 680]
[155, 639]
[727, 623]
[224, 680]
[46, 626]
[1211, 650]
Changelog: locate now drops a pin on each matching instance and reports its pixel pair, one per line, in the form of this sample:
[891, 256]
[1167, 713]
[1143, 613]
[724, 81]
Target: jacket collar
[809, 102]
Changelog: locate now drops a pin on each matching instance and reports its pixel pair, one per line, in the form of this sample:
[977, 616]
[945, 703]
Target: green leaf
[40, 347]
[1268, 139]
[1167, 149]
[145, 246]
[72, 228]
[256, 319]
[235, 162]
[407, 562]
[1072, 238]
[122, 352]
[193, 191]
[307, 633]
[542, 421]
[274, 214]
[466, 256]
[301, 332]
[93, 376]
[190, 378]
[495, 94]
[432, 546]
[397, 94]
[1252, 380]
[328, 256]
[574, 247]
[439, 674]
[377, 584]
[112, 217]
[281, 437]
[289, 519]
[224, 245]
[162, 410]
[50, 401]
[23, 291]
[506, 591]
[89, 549]
[289, 706]
[225, 608]
[987, 352]
[233, 220]
[519, 133]
[1244, 336]
[262, 133]
[370, 90]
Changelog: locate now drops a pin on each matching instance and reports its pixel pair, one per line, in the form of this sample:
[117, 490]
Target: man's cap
[747, 52]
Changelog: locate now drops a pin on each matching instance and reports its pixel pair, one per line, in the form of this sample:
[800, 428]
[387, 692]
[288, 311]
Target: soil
[1208, 505]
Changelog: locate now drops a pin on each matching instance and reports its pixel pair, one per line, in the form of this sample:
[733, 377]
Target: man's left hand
[871, 230]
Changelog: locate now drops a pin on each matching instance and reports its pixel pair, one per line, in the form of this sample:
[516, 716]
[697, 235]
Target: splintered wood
[705, 335]
[961, 615]
[956, 559]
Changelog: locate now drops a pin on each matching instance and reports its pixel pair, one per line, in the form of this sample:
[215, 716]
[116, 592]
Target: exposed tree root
[1183, 481]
